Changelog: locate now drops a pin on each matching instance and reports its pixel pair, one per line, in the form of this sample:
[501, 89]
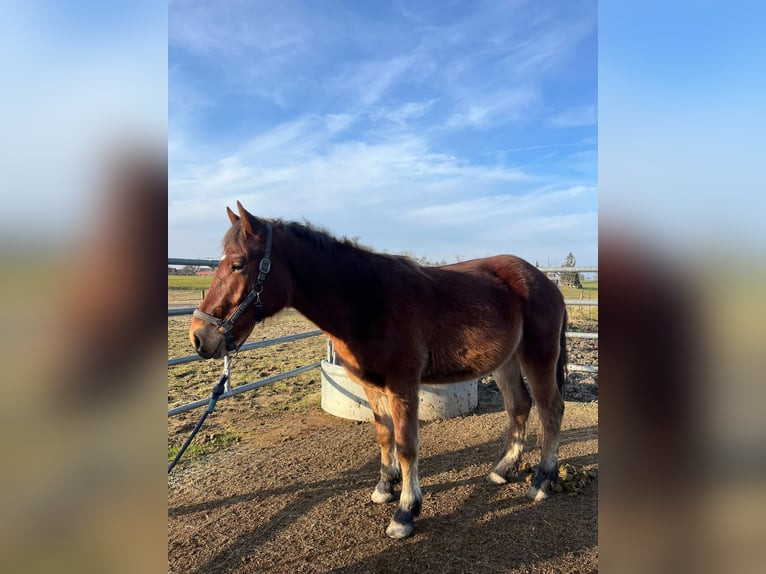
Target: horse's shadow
[434, 531]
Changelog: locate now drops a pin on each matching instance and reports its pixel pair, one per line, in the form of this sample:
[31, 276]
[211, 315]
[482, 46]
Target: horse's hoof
[380, 496]
[495, 478]
[537, 494]
[398, 531]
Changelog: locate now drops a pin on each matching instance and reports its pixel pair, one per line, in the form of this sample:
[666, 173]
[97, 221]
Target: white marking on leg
[495, 478]
[513, 454]
[380, 495]
[411, 493]
[538, 494]
[499, 474]
[541, 493]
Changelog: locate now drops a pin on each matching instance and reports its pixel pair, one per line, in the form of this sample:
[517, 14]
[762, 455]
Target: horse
[395, 324]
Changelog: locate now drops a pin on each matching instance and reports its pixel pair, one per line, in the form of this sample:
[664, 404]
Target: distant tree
[188, 270]
[571, 278]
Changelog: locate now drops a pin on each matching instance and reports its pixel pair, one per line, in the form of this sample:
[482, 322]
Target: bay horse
[394, 324]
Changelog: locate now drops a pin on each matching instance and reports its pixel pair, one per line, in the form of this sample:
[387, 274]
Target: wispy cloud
[303, 154]
[489, 207]
[576, 116]
[368, 83]
[405, 113]
[495, 109]
[224, 28]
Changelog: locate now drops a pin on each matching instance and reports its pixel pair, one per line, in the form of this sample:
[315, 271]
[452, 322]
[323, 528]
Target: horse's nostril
[197, 343]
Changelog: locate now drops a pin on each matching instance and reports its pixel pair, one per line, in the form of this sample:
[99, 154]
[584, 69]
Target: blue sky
[449, 129]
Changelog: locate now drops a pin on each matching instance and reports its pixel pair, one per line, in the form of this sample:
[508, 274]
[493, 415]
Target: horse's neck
[318, 287]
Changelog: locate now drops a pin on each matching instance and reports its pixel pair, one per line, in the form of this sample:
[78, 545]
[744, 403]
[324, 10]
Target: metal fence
[172, 312]
[577, 303]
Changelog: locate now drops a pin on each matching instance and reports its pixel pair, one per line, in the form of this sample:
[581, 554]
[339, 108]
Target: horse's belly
[462, 364]
[455, 377]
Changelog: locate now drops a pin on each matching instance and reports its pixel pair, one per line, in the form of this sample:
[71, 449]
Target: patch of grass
[193, 381]
[297, 394]
[589, 291]
[202, 445]
[189, 282]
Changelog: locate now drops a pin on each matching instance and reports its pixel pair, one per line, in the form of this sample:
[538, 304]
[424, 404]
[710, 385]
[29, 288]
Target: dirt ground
[293, 495]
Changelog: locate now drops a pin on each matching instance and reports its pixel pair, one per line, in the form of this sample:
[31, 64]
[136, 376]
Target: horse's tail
[561, 365]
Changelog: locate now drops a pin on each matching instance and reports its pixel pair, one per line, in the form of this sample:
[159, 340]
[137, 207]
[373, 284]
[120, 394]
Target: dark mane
[321, 238]
[328, 242]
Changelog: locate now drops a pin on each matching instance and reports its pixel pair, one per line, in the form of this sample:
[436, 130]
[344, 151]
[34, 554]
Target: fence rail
[568, 269]
[199, 262]
[244, 388]
[180, 311]
[249, 346]
[580, 335]
[173, 312]
[581, 302]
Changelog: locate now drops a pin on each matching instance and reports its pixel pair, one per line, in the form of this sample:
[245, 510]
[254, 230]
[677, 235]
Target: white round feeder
[346, 399]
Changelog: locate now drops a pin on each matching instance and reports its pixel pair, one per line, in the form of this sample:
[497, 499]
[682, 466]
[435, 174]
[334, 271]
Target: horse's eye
[238, 266]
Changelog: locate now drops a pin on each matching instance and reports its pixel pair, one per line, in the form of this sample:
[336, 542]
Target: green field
[589, 290]
[189, 282]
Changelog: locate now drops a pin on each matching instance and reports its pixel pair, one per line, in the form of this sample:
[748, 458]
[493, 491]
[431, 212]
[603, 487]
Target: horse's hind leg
[390, 473]
[550, 407]
[517, 404]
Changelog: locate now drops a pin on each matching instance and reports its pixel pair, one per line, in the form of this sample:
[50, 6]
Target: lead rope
[218, 390]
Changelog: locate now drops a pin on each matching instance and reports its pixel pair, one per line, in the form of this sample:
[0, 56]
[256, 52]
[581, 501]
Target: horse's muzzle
[208, 342]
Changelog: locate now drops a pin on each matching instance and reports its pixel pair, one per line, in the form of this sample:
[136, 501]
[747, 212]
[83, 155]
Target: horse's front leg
[403, 399]
[390, 474]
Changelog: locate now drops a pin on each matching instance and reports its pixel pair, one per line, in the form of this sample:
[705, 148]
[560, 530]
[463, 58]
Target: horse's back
[528, 292]
[521, 278]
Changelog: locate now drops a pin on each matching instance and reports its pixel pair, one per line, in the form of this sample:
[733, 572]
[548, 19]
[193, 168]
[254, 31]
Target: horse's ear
[250, 223]
[232, 216]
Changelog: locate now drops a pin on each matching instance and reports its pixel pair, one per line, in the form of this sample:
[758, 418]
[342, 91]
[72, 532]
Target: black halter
[255, 295]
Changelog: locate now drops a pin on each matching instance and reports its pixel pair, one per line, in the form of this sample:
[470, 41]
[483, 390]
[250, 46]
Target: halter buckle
[264, 266]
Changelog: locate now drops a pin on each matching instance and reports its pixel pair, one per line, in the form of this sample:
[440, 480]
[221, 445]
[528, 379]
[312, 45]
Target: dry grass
[585, 313]
[194, 381]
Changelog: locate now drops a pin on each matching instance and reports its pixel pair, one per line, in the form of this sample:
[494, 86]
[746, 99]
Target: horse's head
[249, 285]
